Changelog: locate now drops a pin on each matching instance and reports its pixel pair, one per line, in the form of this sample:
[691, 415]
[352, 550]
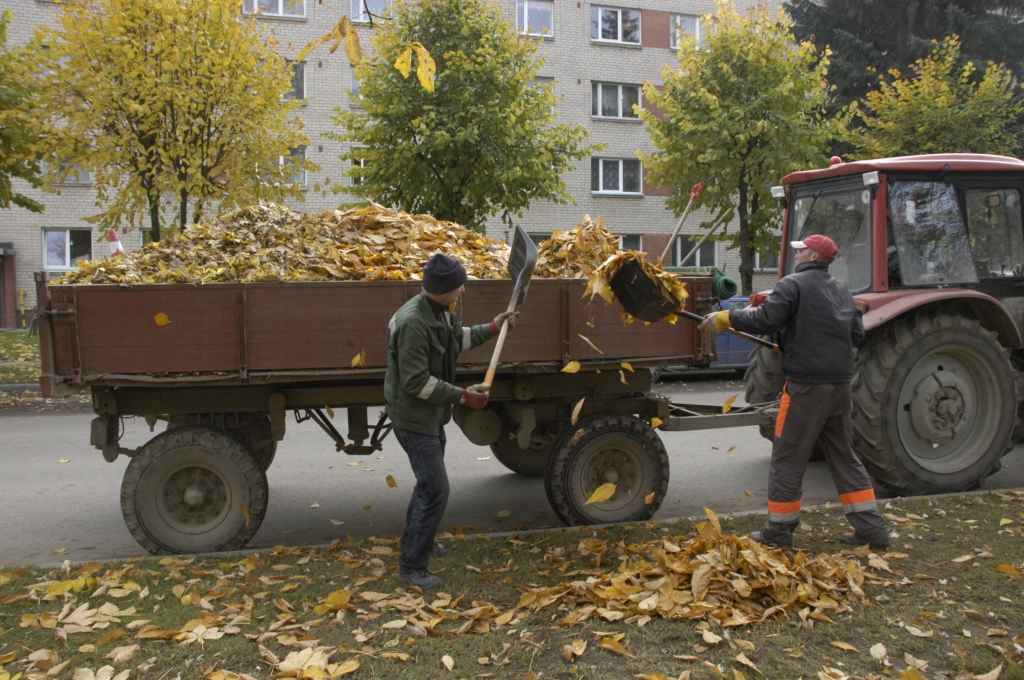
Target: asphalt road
[51, 510]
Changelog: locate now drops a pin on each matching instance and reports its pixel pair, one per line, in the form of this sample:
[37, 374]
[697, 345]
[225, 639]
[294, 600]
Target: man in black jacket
[818, 325]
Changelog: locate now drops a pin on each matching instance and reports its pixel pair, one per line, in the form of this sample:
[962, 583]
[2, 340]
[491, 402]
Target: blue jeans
[429, 497]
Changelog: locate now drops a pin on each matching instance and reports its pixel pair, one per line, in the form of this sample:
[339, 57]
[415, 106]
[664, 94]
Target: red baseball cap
[820, 244]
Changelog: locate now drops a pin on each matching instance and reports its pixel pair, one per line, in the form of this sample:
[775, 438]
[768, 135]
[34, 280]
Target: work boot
[776, 540]
[880, 542]
[438, 550]
[421, 578]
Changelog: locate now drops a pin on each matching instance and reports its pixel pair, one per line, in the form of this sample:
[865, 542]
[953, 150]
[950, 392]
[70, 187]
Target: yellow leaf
[742, 658]
[346, 667]
[576, 410]
[727, 406]
[576, 435]
[86, 267]
[714, 519]
[1004, 522]
[917, 632]
[992, 674]
[448, 662]
[963, 558]
[592, 345]
[602, 493]
[404, 62]
[747, 494]
[656, 423]
[352, 48]
[359, 360]
[613, 645]
[912, 674]
[426, 69]
[626, 366]
[330, 411]
[649, 498]
[845, 646]
[736, 675]
[571, 367]
[1009, 570]
[401, 656]
[336, 522]
[504, 513]
[391, 481]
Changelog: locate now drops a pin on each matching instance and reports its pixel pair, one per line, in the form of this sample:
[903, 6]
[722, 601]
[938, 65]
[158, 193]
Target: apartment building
[598, 56]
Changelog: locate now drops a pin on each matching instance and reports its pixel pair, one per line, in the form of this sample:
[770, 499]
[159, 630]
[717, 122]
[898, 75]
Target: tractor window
[931, 237]
[994, 222]
[845, 217]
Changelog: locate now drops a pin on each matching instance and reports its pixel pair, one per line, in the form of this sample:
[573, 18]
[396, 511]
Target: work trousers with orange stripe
[819, 415]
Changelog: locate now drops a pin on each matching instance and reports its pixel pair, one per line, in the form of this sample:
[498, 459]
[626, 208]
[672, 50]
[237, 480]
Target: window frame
[356, 163]
[68, 264]
[601, 191]
[640, 31]
[282, 6]
[600, 85]
[524, 28]
[678, 254]
[673, 40]
[354, 94]
[757, 263]
[291, 94]
[639, 244]
[67, 182]
[358, 17]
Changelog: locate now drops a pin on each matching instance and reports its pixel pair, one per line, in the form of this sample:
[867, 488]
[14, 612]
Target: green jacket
[422, 353]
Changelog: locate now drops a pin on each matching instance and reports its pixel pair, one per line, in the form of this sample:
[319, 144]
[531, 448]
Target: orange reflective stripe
[783, 410]
[857, 497]
[783, 508]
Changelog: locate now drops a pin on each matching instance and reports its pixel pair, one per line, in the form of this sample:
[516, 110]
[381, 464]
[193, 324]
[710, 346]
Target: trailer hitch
[356, 447]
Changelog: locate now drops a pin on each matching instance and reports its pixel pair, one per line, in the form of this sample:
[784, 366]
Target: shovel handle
[739, 334]
[492, 367]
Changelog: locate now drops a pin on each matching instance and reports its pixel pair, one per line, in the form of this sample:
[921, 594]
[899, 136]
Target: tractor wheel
[764, 381]
[934, 404]
[531, 461]
[193, 489]
[613, 448]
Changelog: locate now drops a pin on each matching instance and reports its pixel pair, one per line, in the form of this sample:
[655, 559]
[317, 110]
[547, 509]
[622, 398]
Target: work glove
[475, 396]
[718, 321]
[500, 319]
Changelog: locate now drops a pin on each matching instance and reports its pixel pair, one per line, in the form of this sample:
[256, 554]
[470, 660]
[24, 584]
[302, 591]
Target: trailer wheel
[764, 379]
[193, 489]
[934, 404]
[258, 439]
[532, 461]
[613, 448]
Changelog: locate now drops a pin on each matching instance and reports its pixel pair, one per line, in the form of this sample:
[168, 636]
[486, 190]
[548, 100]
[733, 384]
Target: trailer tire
[613, 448]
[258, 438]
[921, 378]
[193, 489]
[764, 379]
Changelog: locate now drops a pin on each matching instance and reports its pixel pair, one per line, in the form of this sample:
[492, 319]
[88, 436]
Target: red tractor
[932, 247]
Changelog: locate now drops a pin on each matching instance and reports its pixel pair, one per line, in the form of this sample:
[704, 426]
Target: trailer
[220, 366]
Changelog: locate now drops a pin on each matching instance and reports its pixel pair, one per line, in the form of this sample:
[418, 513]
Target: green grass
[17, 346]
[929, 591]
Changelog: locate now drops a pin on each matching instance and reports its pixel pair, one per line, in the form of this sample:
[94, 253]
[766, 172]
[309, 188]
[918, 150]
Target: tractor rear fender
[881, 308]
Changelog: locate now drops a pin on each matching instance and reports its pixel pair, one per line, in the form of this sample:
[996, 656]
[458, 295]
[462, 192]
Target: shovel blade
[521, 262]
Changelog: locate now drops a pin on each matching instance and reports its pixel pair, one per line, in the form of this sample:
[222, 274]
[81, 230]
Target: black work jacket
[817, 322]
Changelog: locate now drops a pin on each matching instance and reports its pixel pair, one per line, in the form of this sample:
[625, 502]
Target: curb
[20, 387]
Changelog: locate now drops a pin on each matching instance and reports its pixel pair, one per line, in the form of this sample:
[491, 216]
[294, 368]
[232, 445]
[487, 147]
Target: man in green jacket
[424, 342]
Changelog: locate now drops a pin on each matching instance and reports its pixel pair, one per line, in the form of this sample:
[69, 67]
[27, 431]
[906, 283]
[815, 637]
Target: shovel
[521, 262]
[739, 334]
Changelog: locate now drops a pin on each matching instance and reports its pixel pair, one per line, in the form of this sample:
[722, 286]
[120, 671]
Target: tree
[941, 108]
[171, 104]
[481, 140]
[870, 37]
[744, 108]
[20, 143]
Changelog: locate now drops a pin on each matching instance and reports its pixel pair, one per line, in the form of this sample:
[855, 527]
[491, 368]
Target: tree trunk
[746, 249]
[154, 216]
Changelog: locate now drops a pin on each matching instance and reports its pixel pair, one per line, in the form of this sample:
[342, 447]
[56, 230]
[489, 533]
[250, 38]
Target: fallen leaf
[343, 668]
[709, 637]
[997, 632]
[448, 662]
[917, 632]
[576, 435]
[992, 674]
[359, 360]
[315, 506]
[484, 458]
[571, 367]
[879, 653]
[845, 646]
[649, 498]
[576, 410]
[613, 645]
[574, 649]
[747, 494]
[1009, 570]
[504, 513]
[391, 481]
[963, 558]
[656, 423]
[602, 493]
[122, 654]
[727, 406]
[912, 674]
[592, 345]
[353, 463]
[1003, 522]
[742, 658]
[627, 366]
[336, 522]
[65, 460]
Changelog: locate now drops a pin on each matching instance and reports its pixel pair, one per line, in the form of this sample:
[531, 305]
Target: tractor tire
[193, 489]
[934, 404]
[613, 448]
[764, 379]
[532, 461]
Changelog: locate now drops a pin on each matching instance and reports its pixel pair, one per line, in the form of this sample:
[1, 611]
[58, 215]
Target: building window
[767, 262]
[65, 248]
[357, 163]
[353, 86]
[707, 256]
[539, 238]
[365, 11]
[684, 24]
[275, 8]
[293, 163]
[298, 90]
[609, 100]
[69, 173]
[631, 242]
[535, 17]
[615, 176]
[615, 25]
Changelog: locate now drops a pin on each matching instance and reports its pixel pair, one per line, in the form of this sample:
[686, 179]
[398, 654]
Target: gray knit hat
[443, 274]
